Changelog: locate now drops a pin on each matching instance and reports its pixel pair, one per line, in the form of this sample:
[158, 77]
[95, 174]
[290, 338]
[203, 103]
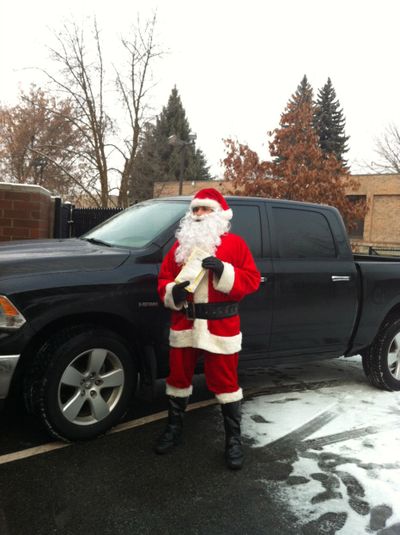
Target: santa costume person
[207, 321]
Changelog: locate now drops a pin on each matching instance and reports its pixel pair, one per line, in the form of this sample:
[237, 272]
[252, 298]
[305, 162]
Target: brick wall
[382, 222]
[26, 212]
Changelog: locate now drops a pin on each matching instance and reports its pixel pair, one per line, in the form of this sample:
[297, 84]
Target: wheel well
[395, 312]
[123, 328]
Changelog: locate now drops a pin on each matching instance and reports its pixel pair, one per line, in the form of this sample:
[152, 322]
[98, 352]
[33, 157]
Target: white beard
[200, 231]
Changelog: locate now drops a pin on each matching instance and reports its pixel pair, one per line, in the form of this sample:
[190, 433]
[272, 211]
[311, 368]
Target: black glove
[213, 263]
[179, 293]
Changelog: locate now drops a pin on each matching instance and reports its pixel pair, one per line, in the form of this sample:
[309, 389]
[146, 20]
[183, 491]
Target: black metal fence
[70, 222]
[85, 219]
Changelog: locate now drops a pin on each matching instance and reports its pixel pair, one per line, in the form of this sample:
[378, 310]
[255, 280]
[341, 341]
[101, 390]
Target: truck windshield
[139, 225]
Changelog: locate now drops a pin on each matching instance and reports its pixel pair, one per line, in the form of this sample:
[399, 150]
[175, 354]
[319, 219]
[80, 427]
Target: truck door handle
[340, 278]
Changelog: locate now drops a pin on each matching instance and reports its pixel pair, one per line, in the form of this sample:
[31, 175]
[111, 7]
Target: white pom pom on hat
[213, 199]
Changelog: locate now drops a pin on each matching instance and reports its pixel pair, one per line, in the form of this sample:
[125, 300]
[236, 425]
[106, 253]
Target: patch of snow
[283, 414]
[344, 473]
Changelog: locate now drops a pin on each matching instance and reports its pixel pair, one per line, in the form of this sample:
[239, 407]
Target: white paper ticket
[192, 270]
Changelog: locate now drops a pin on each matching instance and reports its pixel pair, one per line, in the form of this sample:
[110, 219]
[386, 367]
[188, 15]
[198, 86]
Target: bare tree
[83, 77]
[388, 151]
[133, 89]
[39, 144]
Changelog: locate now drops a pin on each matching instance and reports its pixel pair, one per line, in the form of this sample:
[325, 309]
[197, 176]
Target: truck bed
[375, 258]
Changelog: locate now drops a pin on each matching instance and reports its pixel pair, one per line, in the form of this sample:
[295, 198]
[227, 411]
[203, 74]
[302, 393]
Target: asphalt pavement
[117, 485]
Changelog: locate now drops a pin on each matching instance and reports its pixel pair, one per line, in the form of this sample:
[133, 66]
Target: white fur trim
[228, 214]
[227, 279]
[178, 392]
[200, 337]
[211, 203]
[168, 299]
[182, 338]
[229, 397]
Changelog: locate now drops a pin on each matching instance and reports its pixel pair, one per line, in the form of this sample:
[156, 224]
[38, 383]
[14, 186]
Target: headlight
[10, 316]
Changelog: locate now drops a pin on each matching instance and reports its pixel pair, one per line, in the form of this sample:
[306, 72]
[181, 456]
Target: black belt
[210, 311]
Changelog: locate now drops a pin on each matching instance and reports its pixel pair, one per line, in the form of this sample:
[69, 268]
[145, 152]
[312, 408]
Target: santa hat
[213, 199]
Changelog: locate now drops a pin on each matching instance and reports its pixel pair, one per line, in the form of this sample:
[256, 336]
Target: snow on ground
[342, 443]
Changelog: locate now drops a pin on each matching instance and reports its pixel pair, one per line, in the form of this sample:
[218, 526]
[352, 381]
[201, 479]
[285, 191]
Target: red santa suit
[219, 340]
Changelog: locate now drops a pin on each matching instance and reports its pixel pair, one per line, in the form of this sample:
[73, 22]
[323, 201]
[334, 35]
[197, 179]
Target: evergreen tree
[158, 160]
[303, 93]
[329, 123]
[299, 169]
[306, 173]
[303, 96]
[147, 166]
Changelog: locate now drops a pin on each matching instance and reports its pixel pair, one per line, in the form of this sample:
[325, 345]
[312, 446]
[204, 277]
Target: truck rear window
[303, 234]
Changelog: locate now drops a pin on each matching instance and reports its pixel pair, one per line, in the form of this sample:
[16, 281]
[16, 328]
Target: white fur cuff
[227, 279]
[168, 299]
[178, 392]
[229, 397]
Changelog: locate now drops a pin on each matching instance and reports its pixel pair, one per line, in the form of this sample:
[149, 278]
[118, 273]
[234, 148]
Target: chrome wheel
[394, 357]
[91, 386]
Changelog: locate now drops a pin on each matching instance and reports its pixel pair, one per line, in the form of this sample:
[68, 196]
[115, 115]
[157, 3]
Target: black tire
[53, 385]
[379, 360]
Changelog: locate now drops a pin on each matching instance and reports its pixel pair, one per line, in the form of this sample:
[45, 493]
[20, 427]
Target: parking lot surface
[295, 479]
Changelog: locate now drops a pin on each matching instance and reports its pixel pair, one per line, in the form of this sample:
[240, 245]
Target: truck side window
[246, 222]
[302, 234]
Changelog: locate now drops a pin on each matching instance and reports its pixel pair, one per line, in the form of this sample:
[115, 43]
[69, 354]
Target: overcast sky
[236, 63]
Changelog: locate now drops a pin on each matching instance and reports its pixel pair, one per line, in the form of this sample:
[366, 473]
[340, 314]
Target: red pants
[220, 372]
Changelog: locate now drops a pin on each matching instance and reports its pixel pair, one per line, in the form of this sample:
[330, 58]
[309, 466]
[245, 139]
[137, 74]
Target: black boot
[233, 441]
[172, 434]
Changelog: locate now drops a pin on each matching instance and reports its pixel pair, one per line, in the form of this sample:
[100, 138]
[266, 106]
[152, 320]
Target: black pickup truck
[81, 321]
